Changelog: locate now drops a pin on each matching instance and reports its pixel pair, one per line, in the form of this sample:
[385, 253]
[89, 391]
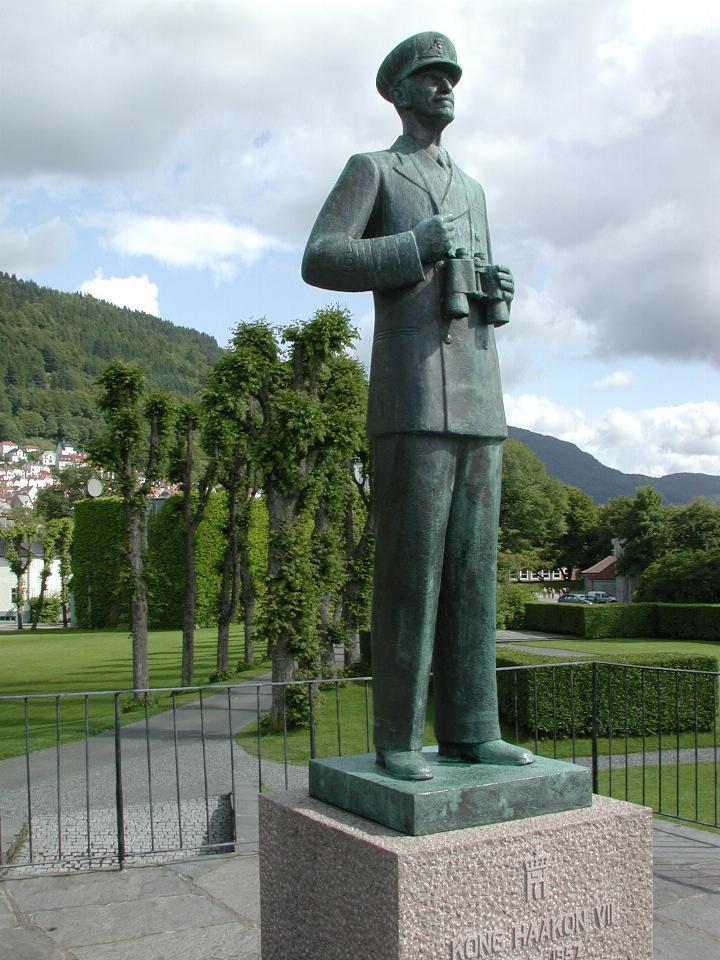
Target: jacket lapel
[406, 167]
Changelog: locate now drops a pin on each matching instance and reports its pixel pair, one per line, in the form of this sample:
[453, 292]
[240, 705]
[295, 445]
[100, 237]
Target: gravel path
[149, 764]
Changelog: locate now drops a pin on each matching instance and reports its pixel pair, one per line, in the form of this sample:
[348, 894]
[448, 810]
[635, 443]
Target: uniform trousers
[436, 502]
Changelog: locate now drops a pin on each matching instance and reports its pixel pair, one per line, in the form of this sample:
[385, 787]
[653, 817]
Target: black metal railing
[110, 777]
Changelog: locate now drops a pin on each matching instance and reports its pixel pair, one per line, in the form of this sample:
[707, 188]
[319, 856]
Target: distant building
[8, 582]
[558, 575]
[601, 576]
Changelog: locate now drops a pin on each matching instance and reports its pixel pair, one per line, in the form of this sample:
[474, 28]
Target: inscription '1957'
[534, 933]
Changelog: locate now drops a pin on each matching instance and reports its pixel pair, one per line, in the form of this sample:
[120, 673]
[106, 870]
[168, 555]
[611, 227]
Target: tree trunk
[230, 587]
[138, 602]
[44, 577]
[327, 650]
[283, 668]
[20, 592]
[248, 597]
[188, 631]
[63, 594]
[352, 647]
[283, 663]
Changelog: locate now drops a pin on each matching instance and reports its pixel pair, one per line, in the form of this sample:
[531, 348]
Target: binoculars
[473, 278]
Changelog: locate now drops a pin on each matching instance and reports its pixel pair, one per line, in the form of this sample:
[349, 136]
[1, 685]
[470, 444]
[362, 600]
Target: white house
[8, 582]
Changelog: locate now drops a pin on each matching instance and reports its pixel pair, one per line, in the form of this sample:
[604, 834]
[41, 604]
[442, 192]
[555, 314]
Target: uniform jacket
[427, 374]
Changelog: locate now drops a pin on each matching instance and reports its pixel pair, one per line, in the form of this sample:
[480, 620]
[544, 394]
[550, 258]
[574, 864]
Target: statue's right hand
[435, 236]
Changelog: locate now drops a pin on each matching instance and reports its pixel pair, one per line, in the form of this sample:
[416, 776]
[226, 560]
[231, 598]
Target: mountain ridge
[54, 345]
[574, 466]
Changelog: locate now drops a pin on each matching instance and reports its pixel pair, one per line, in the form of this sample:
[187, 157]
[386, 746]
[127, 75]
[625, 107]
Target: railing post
[119, 811]
[595, 778]
[311, 694]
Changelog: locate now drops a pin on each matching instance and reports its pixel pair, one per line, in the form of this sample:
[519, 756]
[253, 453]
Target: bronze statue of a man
[409, 225]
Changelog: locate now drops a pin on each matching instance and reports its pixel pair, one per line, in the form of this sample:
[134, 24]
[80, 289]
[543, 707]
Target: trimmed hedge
[688, 621]
[165, 563]
[165, 560]
[681, 621]
[549, 699]
[100, 582]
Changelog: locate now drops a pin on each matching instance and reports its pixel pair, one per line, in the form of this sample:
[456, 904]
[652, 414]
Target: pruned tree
[341, 554]
[194, 504]
[133, 448]
[234, 406]
[20, 539]
[298, 433]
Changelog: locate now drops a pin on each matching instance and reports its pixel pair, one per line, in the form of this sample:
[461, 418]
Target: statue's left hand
[506, 283]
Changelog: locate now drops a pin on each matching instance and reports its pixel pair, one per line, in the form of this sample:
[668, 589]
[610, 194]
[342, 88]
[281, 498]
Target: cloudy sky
[172, 155]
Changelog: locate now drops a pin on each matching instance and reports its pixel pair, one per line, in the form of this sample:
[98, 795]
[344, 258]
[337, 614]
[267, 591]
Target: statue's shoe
[405, 764]
[491, 751]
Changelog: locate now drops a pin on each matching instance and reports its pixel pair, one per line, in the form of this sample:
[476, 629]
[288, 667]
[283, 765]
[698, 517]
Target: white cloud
[26, 251]
[136, 293]
[653, 441]
[615, 380]
[199, 243]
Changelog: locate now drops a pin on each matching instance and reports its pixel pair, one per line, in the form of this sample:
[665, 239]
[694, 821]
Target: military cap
[416, 53]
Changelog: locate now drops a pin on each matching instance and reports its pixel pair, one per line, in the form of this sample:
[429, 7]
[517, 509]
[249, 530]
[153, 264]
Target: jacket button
[448, 338]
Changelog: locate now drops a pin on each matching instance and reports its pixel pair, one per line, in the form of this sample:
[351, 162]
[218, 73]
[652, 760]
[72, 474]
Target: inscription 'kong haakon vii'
[534, 933]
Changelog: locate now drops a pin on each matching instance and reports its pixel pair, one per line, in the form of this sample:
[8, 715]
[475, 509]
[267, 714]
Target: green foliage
[670, 621]
[688, 621]
[575, 547]
[645, 532]
[221, 676]
[136, 439]
[69, 485]
[297, 699]
[165, 563]
[629, 701]
[510, 610]
[533, 505]
[686, 575]
[619, 620]
[293, 592]
[258, 535]
[54, 345]
[555, 618]
[50, 611]
[695, 526]
[100, 583]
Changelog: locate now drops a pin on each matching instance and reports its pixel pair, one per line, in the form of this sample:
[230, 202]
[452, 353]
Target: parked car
[599, 596]
[573, 598]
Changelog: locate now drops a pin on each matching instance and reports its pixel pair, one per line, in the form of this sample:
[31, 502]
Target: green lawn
[696, 799]
[51, 661]
[614, 648]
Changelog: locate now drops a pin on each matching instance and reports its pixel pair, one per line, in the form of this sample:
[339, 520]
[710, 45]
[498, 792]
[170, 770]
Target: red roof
[603, 568]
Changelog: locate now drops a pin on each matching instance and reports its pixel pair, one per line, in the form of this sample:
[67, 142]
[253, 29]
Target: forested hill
[579, 469]
[53, 345]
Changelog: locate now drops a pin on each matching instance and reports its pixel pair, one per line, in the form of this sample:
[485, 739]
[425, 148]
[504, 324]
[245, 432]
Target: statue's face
[431, 98]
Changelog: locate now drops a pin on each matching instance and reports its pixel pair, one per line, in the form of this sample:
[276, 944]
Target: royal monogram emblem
[437, 48]
[535, 878]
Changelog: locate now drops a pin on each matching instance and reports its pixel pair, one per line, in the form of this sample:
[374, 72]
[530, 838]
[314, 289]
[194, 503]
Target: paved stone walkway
[208, 909]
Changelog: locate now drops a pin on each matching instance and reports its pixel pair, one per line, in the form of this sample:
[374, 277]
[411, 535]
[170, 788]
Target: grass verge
[67, 661]
[675, 791]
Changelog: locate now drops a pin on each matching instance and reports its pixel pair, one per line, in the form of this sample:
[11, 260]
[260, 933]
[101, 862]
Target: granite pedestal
[574, 885]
